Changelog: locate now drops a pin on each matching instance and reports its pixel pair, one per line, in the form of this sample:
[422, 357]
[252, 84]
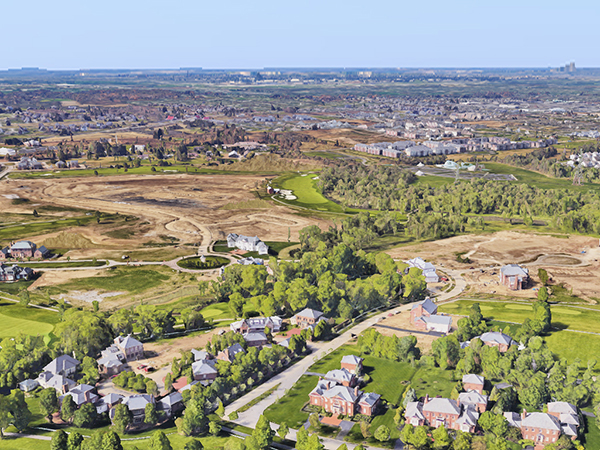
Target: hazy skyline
[267, 33]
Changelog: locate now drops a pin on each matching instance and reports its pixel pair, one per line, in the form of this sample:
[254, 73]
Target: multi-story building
[514, 277]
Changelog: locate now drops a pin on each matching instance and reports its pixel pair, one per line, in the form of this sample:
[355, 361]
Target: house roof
[569, 430]
[442, 405]
[339, 375]
[63, 362]
[23, 245]
[512, 270]
[137, 402]
[351, 359]
[128, 342]
[541, 420]
[473, 379]
[562, 407]
[472, 398]
[204, 367]
[369, 398]
[437, 319]
[414, 409]
[427, 305]
[255, 336]
[513, 418]
[310, 313]
[497, 337]
[168, 401]
[200, 355]
[468, 417]
[344, 392]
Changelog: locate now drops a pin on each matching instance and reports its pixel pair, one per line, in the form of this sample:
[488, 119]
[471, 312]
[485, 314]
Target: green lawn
[12, 232]
[195, 263]
[131, 279]
[16, 318]
[592, 436]
[303, 186]
[432, 381]
[63, 264]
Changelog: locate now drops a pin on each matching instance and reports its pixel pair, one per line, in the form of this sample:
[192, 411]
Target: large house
[171, 404]
[137, 407]
[205, 370]
[472, 382]
[56, 374]
[257, 324]
[112, 361]
[14, 273]
[496, 339]
[546, 428]
[130, 347]
[424, 316]
[306, 318]
[24, 249]
[427, 268]
[246, 243]
[445, 412]
[29, 164]
[338, 393]
[64, 365]
[514, 277]
[83, 393]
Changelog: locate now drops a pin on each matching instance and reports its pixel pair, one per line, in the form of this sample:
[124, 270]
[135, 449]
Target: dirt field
[580, 271]
[403, 321]
[185, 207]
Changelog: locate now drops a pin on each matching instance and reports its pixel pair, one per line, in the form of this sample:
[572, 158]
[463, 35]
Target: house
[568, 416]
[497, 339]
[230, 352]
[171, 404]
[111, 363]
[472, 382]
[257, 324]
[63, 365]
[28, 385]
[41, 253]
[474, 399]
[352, 364]
[104, 404]
[200, 355]
[256, 338]
[341, 376]
[541, 428]
[337, 399]
[23, 249]
[424, 316]
[306, 318]
[7, 152]
[137, 406]
[250, 260]
[439, 412]
[14, 273]
[83, 393]
[29, 164]
[249, 244]
[205, 370]
[428, 269]
[4, 253]
[514, 277]
[130, 347]
[58, 382]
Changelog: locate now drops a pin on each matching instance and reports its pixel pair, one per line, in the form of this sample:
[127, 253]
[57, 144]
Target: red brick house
[306, 318]
[514, 277]
[341, 376]
[439, 412]
[541, 428]
[472, 382]
[352, 364]
[424, 316]
[497, 339]
[338, 399]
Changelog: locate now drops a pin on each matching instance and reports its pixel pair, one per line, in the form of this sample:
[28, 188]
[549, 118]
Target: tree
[462, 441]
[169, 382]
[364, 429]
[543, 294]
[159, 441]
[314, 421]
[263, 434]
[398, 417]
[111, 441]
[67, 409]
[59, 441]
[495, 424]
[214, 428]
[382, 434]
[150, 414]
[421, 438]
[122, 418]
[283, 430]
[74, 441]
[543, 276]
[48, 402]
[24, 298]
[441, 438]
[151, 387]
[194, 444]
[85, 416]
[220, 409]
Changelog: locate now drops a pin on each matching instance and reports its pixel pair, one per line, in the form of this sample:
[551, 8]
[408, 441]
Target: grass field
[564, 343]
[195, 263]
[63, 264]
[12, 232]
[17, 319]
[305, 189]
[130, 279]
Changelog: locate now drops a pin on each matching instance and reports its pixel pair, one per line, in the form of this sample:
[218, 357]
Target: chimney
[426, 399]
[65, 388]
[523, 414]
[356, 391]
[86, 395]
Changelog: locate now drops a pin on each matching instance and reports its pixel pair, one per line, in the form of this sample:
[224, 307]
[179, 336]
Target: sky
[253, 34]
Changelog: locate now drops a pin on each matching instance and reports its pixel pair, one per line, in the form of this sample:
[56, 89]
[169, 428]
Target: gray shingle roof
[512, 270]
[351, 359]
[414, 409]
[63, 362]
[427, 305]
[541, 420]
[562, 407]
[473, 379]
[310, 313]
[442, 405]
[343, 392]
[497, 337]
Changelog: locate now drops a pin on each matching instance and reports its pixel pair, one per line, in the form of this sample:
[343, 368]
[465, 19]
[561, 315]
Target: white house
[249, 244]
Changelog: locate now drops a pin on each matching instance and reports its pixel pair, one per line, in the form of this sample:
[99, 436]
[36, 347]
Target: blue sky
[79, 34]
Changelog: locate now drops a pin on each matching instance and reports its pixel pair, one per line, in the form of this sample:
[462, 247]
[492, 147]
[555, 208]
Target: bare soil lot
[560, 255]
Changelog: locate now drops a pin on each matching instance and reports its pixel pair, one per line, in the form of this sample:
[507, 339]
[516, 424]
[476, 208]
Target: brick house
[424, 316]
[472, 382]
[306, 318]
[439, 412]
[514, 277]
[23, 249]
[338, 399]
[541, 428]
[205, 370]
[130, 347]
[257, 324]
[474, 399]
[352, 364]
[230, 352]
[341, 376]
[497, 339]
